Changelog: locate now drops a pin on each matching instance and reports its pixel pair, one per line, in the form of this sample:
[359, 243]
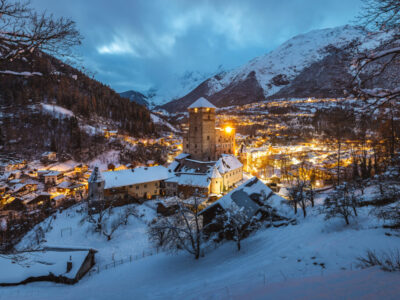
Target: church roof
[201, 102]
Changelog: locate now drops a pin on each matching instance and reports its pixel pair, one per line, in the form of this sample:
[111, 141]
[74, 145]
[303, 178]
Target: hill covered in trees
[29, 82]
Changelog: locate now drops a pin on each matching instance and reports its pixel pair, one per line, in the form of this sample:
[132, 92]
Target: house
[49, 156]
[56, 264]
[71, 189]
[58, 200]
[38, 201]
[52, 177]
[140, 183]
[203, 177]
[16, 164]
[255, 199]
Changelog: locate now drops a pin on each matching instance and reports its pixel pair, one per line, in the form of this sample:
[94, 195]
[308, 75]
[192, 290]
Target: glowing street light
[228, 129]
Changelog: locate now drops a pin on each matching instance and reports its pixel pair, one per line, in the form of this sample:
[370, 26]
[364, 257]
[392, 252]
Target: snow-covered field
[315, 259]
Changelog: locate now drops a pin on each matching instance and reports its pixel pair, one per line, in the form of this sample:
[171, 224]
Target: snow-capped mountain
[311, 64]
[176, 87]
[135, 96]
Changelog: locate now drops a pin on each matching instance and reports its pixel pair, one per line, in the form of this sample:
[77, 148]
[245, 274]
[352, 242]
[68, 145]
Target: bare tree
[236, 223]
[383, 15]
[23, 31]
[183, 230]
[342, 202]
[301, 194]
[105, 221]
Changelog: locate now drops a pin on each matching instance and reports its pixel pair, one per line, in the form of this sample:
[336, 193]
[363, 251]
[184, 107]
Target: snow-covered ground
[313, 259]
[102, 161]
[157, 120]
[57, 111]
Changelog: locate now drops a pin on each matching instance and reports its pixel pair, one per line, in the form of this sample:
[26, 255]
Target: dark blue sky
[136, 44]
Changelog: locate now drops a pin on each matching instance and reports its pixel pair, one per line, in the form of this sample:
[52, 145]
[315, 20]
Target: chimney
[69, 266]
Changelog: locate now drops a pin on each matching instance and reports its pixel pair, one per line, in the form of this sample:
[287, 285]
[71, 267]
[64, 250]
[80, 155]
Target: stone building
[203, 141]
[140, 183]
[96, 184]
[200, 140]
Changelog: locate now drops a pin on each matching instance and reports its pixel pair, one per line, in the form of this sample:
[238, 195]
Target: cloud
[135, 44]
[118, 46]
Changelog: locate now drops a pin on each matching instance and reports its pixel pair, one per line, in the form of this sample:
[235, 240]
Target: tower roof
[215, 173]
[202, 102]
[96, 176]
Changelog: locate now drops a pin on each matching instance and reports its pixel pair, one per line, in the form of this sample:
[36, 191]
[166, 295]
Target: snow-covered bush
[387, 261]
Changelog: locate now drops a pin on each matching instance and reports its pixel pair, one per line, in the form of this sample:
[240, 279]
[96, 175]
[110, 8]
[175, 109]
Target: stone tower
[96, 184]
[200, 140]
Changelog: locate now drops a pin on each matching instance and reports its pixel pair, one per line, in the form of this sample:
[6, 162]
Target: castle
[208, 164]
[206, 167]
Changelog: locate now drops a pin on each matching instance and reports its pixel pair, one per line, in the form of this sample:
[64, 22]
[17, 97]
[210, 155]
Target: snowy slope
[315, 259]
[291, 57]
[266, 75]
[157, 120]
[175, 87]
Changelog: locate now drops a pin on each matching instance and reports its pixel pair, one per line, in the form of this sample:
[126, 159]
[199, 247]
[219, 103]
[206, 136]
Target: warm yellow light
[228, 129]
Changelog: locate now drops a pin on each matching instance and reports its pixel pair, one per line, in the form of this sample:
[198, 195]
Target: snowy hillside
[291, 58]
[266, 75]
[274, 262]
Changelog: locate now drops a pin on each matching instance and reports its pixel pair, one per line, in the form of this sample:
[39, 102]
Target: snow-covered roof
[215, 173]
[138, 175]
[201, 102]
[64, 185]
[64, 166]
[52, 173]
[196, 180]
[252, 190]
[41, 263]
[228, 163]
[182, 155]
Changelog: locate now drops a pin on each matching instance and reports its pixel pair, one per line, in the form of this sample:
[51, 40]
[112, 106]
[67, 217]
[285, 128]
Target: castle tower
[200, 140]
[96, 184]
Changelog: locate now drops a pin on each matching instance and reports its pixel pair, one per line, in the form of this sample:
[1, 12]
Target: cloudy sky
[138, 44]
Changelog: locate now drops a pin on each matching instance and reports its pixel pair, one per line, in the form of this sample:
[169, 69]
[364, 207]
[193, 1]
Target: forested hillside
[42, 79]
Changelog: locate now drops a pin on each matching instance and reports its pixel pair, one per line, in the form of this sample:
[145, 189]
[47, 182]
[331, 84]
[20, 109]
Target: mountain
[176, 87]
[315, 64]
[135, 96]
[46, 105]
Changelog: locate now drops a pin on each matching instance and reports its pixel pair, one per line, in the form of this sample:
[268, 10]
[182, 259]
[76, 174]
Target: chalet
[255, 198]
[49, 156]
[52, 177]
[55, 264]
[38, 201]
[58, 200]
[71, 189]
[15, 165]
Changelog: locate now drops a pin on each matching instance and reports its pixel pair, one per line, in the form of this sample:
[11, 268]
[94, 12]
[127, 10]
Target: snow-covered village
[199, 149]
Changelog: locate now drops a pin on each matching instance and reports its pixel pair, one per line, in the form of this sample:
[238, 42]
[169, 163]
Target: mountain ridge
[280, 72]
